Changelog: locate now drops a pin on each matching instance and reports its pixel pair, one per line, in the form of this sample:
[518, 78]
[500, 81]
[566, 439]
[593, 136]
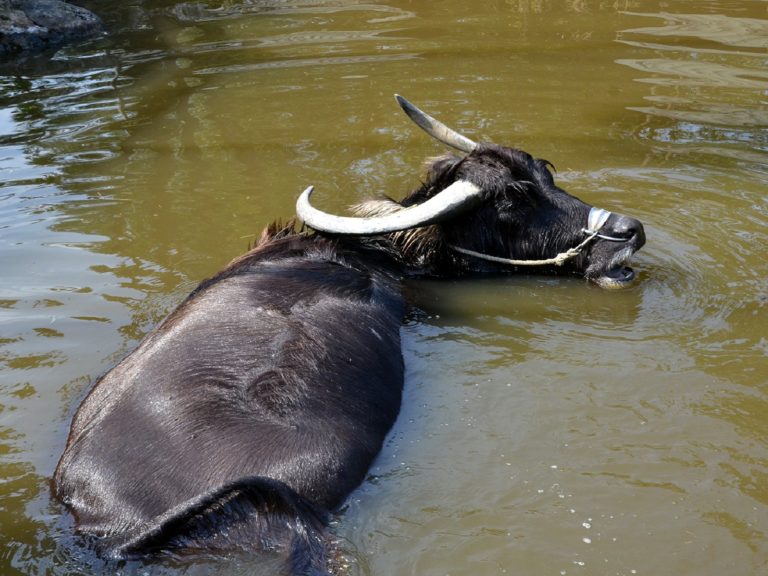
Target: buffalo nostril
[629, 228]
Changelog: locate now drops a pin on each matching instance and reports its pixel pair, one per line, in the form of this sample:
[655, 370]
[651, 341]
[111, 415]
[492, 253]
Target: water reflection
[727, 30]
[707, 71]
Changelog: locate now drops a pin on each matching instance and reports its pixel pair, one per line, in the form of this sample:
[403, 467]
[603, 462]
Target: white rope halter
[596, 220]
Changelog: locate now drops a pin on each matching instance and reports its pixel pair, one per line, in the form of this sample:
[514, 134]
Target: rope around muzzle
[558, 260]
[596, 220]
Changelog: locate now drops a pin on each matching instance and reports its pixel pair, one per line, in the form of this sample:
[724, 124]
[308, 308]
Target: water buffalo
[258, 405]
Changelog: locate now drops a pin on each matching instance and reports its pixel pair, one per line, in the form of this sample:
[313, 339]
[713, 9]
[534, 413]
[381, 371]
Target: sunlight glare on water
[548, 427]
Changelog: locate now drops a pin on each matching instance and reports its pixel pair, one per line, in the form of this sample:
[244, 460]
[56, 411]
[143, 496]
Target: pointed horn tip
[303, 201]
[404, 103]
[435, 128]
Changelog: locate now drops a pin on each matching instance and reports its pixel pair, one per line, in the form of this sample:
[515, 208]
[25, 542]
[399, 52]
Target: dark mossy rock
[36, 25]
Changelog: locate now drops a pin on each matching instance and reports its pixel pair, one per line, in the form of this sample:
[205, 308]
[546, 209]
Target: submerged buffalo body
[259, 404]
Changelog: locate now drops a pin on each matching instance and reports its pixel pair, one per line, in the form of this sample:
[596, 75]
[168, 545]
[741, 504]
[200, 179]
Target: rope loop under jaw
[596, 220]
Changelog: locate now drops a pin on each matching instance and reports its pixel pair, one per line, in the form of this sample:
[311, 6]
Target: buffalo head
[491, 209]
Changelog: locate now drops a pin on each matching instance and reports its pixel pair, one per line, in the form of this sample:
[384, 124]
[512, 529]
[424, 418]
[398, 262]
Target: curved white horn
[435, 128]
[457, 197]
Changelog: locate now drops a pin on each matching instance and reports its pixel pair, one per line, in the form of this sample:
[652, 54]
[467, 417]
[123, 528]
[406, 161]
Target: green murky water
[548, 427]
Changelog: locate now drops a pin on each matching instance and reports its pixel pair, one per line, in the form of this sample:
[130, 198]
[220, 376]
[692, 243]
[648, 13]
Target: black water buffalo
[260, 402]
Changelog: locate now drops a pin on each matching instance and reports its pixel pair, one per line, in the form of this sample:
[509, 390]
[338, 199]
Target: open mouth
[617, 277]
[617, 273]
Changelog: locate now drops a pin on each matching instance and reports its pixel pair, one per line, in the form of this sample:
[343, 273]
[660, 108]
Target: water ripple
[304, 63]
[197, 12]
[706, 72]
[691, 73]
[718, 28]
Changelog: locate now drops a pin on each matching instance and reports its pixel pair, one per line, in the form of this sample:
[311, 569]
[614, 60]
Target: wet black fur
[250, 412]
